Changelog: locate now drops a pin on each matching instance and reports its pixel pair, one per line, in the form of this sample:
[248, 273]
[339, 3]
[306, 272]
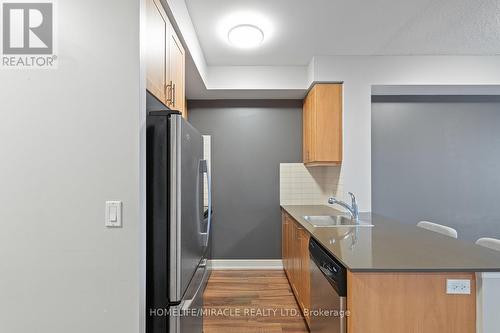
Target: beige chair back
[442, 229]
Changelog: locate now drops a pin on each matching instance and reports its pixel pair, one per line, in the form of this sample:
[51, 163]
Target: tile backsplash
[309, 186]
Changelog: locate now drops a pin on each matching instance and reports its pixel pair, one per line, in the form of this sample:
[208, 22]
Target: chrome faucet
[352, 209]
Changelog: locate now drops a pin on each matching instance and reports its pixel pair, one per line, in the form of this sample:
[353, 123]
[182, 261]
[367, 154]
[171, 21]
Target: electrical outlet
[457, 287]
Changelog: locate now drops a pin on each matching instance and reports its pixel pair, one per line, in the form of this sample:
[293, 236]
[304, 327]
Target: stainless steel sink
[335, 221]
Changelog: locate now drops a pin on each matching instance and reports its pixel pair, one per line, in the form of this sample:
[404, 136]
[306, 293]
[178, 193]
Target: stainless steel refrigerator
[178, 227]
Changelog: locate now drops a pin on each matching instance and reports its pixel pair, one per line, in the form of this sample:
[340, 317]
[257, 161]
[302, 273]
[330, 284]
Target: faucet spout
[352, 209]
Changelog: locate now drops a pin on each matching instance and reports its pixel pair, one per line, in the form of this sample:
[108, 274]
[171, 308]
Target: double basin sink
[335, 221]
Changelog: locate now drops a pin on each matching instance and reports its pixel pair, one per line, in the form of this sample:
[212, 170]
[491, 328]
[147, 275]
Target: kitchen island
[396, 274]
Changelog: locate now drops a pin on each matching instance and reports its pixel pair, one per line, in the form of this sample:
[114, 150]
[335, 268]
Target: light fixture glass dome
[245, 36]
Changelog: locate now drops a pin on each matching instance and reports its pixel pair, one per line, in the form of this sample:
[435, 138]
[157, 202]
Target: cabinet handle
[168, 92]
[173, 94]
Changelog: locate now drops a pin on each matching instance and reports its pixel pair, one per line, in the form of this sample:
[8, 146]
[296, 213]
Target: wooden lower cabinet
[295, 251]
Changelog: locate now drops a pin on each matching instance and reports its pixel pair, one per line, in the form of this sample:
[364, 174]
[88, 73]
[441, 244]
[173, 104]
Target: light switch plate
[113, 214]
[457, 287]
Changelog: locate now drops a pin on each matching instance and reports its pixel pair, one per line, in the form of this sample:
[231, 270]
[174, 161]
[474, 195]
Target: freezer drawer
[188, 316]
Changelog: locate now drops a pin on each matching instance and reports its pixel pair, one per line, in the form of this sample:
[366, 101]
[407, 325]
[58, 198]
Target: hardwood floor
[251, 301]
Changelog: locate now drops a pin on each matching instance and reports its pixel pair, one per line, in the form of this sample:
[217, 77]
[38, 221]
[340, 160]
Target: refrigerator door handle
[204, 169]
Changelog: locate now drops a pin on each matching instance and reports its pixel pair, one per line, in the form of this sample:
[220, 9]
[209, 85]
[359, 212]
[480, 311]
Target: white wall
[69, 141]
[256, 77]
[359, 73]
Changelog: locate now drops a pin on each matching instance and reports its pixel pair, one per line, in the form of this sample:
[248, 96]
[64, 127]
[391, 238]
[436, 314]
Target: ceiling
[298, 30]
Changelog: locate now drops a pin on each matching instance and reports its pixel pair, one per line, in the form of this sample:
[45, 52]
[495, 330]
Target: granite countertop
[395, 247]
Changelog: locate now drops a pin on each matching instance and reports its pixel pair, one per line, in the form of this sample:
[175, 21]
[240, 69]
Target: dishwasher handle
[327, 273]
[329, 269]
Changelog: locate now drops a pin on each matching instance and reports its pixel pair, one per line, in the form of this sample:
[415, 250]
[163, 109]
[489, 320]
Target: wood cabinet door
[305, 290]
[322, 125]
[287, 243]
[177, 73]
[298, 261]
[290, 250]
[328, 123]
[156, 32]
[293, 252]
[307, 130]
[284, 240]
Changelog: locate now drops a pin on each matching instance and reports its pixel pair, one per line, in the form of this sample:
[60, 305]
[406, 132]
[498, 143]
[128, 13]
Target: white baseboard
[226, 264]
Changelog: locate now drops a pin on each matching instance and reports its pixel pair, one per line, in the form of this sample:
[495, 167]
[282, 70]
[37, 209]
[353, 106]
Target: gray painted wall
[249, 140]
[438, 159]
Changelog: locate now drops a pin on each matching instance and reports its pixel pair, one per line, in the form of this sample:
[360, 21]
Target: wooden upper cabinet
[322, 125]
[156, 38]
[177, 74]
[165, 59]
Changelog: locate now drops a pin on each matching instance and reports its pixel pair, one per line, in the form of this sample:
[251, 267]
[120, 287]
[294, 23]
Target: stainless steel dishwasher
[328, 291]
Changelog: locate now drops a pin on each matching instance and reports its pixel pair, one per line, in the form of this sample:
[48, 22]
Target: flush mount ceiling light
[245, 36]
[245, 29]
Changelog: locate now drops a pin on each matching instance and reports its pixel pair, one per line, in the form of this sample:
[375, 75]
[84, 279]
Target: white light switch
[457, 287]
[113, 214]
